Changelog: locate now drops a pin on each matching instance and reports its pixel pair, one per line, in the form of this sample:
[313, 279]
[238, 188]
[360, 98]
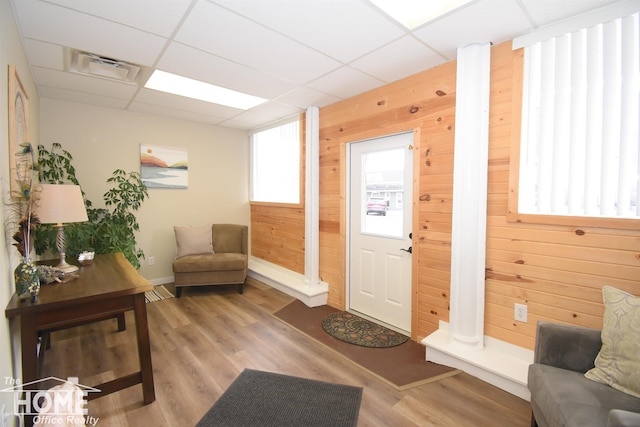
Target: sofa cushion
[567, 398]
[618, 363]
[210, 262]
[193, 240]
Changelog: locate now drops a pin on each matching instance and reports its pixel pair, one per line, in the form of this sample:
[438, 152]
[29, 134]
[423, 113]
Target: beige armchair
[214, 254]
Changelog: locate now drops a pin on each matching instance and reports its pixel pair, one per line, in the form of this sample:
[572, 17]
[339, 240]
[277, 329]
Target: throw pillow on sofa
[193, 240]
[618, 363]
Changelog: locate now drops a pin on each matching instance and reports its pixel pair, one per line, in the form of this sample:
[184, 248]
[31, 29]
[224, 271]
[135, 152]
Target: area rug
[354, 329]
[258, 398]
[157, 294]
[401, 367]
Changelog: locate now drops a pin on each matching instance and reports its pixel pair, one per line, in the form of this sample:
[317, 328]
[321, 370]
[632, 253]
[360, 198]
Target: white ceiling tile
[81, 97]
[266, 113]
[303, 97]
[44, 55]
[345, 82]
[481, 22]
[174, 113]
[176, 102]
[218, 31]
[65, 27]
[546, 11]
[238, 124]
[86, 84]
[399, 59]
[199, 65]
[294, 53]
[155, 16]
[344, 30]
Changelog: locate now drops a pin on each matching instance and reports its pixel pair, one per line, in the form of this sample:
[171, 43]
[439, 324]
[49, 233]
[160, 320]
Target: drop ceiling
[294, 53]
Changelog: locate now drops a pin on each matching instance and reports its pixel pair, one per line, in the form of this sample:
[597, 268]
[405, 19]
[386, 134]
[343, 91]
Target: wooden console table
[107, 288]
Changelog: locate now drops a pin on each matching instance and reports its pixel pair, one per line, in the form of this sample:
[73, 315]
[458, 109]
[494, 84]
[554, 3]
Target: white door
[380, 190]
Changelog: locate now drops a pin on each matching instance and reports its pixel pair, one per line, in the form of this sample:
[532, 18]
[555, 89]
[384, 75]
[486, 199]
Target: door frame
[415, 220]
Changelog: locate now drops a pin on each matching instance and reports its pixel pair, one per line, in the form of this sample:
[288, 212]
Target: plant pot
[27, 280]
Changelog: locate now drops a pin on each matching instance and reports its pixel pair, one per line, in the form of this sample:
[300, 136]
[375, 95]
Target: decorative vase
[27, 279]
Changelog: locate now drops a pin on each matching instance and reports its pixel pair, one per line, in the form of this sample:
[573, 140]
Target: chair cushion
[193, 240]
[567, 398]
[618, 363]
[210, 262]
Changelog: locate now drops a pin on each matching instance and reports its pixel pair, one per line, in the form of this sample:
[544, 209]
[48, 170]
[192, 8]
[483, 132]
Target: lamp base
[67, 268]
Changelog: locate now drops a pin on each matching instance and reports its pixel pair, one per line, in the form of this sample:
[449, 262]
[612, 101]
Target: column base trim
[289, 282]
[498, 363]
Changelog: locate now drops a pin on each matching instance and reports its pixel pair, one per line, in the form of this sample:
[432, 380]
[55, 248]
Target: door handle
[410, 250]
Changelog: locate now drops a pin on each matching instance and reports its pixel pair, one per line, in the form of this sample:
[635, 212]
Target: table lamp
[60, 204]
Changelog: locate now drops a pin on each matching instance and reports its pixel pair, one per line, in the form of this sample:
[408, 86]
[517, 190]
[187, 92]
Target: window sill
[576, 221]
[277, 205]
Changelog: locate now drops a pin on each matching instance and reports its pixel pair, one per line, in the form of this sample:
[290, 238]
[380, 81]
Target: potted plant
[110, 229]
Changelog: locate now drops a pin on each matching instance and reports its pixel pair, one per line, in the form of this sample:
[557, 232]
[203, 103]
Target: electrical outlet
[520, 312]
[151, 260]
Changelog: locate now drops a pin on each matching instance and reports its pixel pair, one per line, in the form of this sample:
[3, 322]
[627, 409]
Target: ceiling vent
[94, 65]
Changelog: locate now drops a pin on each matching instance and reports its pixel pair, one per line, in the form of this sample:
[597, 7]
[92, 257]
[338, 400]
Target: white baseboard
[499, 363]
[161, 280]
[289, 282]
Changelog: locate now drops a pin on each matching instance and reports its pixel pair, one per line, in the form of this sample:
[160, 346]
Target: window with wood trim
[579, 137]
[275, 163]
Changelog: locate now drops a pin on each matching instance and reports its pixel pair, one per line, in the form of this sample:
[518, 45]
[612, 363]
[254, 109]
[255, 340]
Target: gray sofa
[560, 393]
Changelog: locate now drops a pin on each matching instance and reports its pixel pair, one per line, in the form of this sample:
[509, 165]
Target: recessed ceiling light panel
[413, 13]
[190, 88]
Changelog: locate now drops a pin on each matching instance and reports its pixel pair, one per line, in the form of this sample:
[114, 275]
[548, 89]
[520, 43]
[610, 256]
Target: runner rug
[267, 399]
[158, 293]
[402, 366]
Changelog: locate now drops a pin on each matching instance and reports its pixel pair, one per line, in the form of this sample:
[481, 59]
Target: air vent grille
[95, 65]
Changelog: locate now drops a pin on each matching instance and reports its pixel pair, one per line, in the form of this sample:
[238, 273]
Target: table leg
[122, 325]
[144, 348]
[29, 342]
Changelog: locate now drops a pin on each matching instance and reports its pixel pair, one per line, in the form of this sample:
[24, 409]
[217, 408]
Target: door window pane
[382, 188]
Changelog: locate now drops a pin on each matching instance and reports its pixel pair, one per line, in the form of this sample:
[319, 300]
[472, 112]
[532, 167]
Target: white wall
[103, 139]
[11, 52]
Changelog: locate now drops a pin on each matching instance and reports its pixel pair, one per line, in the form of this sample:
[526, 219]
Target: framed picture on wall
[164, 167]
[18, 127]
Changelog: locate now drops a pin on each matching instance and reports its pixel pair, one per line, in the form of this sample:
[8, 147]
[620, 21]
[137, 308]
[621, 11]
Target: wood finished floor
[201, 342]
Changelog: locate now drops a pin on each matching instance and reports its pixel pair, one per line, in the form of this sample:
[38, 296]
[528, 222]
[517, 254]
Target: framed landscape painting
[164, 167]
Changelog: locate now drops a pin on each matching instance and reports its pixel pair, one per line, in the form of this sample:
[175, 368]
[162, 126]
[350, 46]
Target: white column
[470, 196]
[312, 198]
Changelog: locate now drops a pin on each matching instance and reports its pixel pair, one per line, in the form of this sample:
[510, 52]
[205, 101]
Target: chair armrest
[566, 346]
[620, 418]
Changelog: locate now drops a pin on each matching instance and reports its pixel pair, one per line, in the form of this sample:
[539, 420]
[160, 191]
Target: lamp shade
[61, 203]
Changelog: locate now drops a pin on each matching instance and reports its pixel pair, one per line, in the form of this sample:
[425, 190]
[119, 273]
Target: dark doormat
[355, 330]
[266, 399]
[402, 367]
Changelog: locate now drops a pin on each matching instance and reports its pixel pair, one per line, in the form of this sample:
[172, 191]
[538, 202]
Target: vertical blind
[580, 123]
[275, 164]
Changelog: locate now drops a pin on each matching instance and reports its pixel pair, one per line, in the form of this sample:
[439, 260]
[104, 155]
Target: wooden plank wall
[425, 104]
[277, 235]
[558, 271]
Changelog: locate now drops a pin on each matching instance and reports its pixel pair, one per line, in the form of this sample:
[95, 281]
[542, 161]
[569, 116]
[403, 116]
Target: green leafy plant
[110, 229]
